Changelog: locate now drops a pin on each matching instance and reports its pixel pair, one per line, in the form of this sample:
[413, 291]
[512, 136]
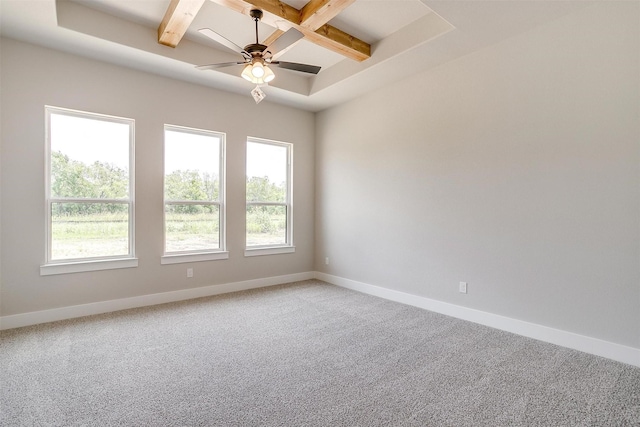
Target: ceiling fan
[257, 57]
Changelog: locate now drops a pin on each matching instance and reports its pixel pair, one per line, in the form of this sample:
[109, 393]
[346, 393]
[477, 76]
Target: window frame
[288, 246]
[211, 254]
[74, 265]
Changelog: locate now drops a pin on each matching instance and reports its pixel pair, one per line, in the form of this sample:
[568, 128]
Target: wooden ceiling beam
[176, 21]
[317, 13]
[274, 10]
[340, 42]
[283, 17]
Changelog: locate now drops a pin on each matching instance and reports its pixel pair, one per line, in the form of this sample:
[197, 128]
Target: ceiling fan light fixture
[246, 73]
[257, 73]
[257, 70]
[268, 74]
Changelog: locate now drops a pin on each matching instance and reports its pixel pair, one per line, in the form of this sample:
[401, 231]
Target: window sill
[82, 266]
[182, 258]
[269, 251]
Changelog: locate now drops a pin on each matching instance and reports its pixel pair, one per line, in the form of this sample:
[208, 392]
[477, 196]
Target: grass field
[103, 235]
[89, 235]
[192, 232]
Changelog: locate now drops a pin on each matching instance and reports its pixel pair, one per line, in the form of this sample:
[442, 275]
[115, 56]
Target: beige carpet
[304, 354]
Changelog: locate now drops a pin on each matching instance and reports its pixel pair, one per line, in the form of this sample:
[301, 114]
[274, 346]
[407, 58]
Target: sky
[190, 151]
[267, 160]
[87, 140]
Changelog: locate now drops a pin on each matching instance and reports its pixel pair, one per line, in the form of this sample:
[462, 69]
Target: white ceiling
[406, 36]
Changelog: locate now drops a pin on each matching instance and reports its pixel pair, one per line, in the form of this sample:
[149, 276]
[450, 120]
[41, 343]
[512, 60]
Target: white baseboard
[571, 340]
[62, 313]
[559, 337]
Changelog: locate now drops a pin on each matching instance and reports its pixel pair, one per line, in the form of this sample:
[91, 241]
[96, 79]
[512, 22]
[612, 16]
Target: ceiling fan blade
[305, 68]
[279, 46]
[222, 64]
[208, 32]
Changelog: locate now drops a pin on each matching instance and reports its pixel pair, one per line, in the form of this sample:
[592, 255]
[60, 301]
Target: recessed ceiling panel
[230, 24]
[306, 52]
[144, 12]
[373, 20]
[298, 4]
[240, 29]
[124, 32]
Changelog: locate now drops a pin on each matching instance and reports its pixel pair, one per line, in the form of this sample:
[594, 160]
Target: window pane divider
[88, 200]
[267, 203]
[190, 202]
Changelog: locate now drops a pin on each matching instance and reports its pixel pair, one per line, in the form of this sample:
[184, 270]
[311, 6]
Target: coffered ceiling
[361, 45]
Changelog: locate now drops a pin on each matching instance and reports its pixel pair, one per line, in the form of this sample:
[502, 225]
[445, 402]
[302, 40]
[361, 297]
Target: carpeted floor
[304, 354]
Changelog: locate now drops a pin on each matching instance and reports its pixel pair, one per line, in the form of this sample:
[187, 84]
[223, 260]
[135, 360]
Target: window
[268, 192]
[89, 191]
[193, 195]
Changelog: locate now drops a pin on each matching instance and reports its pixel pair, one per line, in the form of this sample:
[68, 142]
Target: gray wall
[33, 77]
[515, 168]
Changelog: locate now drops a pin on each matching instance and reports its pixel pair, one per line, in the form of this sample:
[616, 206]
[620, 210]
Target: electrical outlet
[326, 261]
[189, 272]
[463, 287]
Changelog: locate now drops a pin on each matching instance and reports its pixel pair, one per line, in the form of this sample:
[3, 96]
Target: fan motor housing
[255, 13]
[255, 48]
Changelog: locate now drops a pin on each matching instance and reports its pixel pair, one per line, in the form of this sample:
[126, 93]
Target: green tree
[75, 179]
[68, 177]
[193, 186]
[109, 181]
[260, 189]
[266, 218]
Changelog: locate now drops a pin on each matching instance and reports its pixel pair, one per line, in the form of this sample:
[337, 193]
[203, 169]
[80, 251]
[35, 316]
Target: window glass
[193, 190]
[90, 182]
[268, 194]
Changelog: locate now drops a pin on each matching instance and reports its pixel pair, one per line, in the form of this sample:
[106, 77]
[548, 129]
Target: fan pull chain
[258, 94]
